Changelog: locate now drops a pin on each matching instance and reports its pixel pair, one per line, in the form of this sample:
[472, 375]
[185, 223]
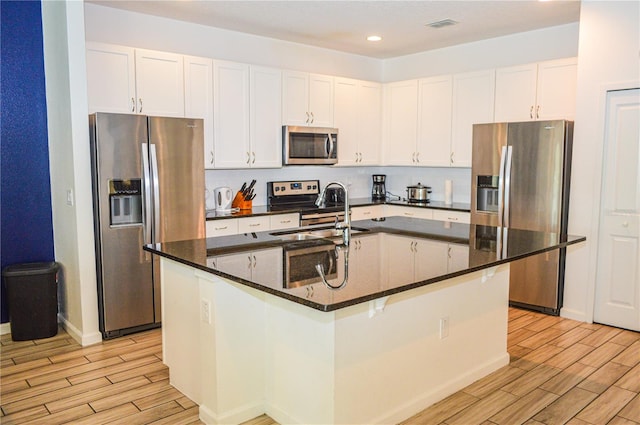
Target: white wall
[607, 58]
[66, 86]
[109, 25]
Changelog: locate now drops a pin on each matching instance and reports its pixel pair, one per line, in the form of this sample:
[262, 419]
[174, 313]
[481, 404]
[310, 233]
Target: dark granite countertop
[355, 202]
[384, 258]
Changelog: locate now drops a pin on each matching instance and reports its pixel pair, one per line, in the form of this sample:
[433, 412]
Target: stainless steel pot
[418, 193]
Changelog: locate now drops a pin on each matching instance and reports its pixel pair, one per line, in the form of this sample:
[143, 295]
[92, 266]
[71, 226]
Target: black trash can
[32, 298]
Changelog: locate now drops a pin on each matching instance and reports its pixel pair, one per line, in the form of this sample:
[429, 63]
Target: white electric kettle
[222, 199]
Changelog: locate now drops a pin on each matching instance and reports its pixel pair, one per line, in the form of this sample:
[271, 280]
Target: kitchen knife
[253, 182]
[244, 186]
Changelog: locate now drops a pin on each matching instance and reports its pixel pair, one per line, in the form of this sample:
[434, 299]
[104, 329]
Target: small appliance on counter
[379, 190]
[418, 193]
[222, 199]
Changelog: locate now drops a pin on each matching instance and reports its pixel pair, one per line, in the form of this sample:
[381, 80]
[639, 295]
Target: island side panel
[181, 346]
[390, 365]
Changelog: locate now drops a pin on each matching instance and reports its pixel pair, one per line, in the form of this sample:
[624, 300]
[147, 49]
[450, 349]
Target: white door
[617, 300]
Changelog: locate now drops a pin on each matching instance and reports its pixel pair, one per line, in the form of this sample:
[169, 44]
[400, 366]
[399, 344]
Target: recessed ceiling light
[442, 23]
[374, 38]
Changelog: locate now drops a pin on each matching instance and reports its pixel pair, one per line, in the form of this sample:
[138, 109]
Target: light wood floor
[561, 371]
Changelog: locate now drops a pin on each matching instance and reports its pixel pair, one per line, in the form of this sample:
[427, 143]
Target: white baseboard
[5, 328]
[568, 313]
[76, 334]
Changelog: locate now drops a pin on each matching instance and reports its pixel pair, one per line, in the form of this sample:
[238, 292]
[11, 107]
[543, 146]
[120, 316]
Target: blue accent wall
[25, 191]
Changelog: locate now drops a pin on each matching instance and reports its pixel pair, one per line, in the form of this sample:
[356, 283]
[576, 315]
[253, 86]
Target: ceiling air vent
[442, 23]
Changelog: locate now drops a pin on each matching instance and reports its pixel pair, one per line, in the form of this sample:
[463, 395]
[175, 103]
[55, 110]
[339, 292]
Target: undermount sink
[315, 233]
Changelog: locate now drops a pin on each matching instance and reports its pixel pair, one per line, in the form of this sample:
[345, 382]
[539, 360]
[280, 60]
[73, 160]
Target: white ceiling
[344, 25]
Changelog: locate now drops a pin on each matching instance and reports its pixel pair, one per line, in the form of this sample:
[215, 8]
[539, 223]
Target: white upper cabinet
[434, 122]
[358, 118]
[247, 116]
[266, 117]
[307, 99]
[401, 115]
[556, 89]
[231, 115]
[126, 80]
[159, 83]
[198, 99]
[473, 103]
[546, 90]
[111, 78]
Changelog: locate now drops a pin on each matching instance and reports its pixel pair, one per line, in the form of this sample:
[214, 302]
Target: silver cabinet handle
[133, 105]
[211, 161]
[221, 228]
[307, 121]
[418, 157]
[254, 224]
[254, 157]
[285, 221]
[413, 157]
[312, 117]
[140, 101]
[449, 253]
[531, 112]
[451, 158]
[538, 112]
[254, 262]
[248, 157]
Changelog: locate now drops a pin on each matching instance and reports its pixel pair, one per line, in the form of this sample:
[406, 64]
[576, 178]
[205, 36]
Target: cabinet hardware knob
[254, 157]
[140, 101]
[133, 105]
[312, 118]
[307, 120]
[451, 158]
[248, 157]
[531, 112]
[538, 112]
[211, 162]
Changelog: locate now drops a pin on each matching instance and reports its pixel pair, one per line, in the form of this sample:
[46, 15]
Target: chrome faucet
[345, 226]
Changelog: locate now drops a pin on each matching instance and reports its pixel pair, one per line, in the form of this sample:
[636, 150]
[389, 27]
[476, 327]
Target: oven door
[300, 264]
[309, 145]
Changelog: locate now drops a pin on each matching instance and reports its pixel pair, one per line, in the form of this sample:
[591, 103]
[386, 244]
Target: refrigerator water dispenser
[487, 196]
[125, 199]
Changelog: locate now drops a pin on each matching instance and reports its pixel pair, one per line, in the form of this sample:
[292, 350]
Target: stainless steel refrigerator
[148, 187]
[520, 179]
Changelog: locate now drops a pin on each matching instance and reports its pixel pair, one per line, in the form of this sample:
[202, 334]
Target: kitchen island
[421, 312]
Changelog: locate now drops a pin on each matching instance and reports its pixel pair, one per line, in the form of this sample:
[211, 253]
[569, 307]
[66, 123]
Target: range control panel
[291, 188]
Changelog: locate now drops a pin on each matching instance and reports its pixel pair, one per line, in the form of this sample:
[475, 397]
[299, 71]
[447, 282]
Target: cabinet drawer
[413, 212]
[455, 216]
[365, 213]
[284, 221]
[228, 226]
[253, 224]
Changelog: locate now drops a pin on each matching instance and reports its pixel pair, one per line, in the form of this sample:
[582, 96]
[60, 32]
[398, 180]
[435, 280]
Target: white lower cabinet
[258, 223]
[457, 257]
[261, 266]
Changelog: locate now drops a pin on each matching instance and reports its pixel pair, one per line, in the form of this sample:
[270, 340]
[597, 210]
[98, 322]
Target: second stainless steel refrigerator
[520, 179]
[148, 184]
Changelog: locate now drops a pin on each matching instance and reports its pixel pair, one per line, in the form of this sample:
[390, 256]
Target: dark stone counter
[384, 258]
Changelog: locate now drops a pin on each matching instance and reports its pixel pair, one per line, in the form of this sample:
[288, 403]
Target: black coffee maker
[379, 190]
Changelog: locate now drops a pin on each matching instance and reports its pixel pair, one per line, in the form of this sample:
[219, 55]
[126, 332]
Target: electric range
[302, 195]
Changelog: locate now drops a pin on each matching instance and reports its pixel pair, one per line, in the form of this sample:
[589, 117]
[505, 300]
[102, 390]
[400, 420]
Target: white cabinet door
[346, 120]
[516, 93]
[239, 265]
[307, 99]
[458, 257]
[368, 212]
[266, 117]
[473, 102]
[400, 259]
[111, 78]
[253, 224]
[401, 106]
[431, 259]
[369, 122]
[159, 83]
[556, 95]
[231, 114]
[198, 99]
[453, 216]
[434, 123]
[267, 267]
[295, 98]
[321, 100]
[411, 212]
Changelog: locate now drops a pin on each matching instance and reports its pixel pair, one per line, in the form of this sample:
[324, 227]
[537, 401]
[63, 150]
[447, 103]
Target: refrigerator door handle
[503, 158]
[146, 182]
[156, 192]
[507, 185]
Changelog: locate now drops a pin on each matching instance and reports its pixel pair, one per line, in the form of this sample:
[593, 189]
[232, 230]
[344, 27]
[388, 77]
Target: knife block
[240, 202]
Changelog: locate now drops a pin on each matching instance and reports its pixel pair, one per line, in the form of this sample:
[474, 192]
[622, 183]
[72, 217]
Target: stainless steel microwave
[309, 145]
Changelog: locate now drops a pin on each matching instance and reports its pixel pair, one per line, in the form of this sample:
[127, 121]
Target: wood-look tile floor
[561, 371]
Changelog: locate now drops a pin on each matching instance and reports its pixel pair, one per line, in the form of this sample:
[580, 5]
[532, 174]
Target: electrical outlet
[444, 327]
[205, 311]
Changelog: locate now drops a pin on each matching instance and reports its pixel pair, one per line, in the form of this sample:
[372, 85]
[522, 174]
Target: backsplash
[358, 179]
